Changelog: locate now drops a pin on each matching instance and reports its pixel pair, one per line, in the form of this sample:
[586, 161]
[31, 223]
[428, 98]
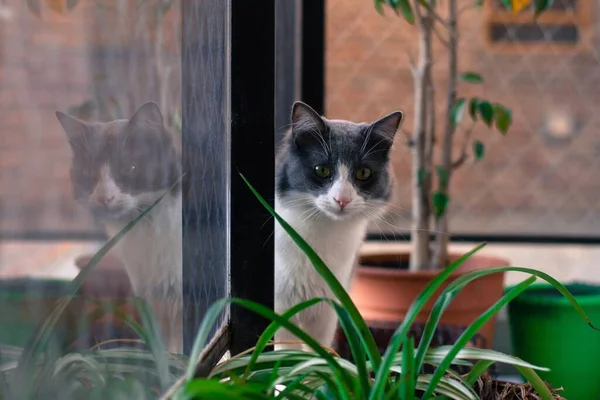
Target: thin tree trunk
[440, 257]
[420, 256]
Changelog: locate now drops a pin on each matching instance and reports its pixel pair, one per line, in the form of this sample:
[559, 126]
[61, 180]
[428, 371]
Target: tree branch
[439, 36]
[419, 258]
[411, 64]
[436, 16]
[464, 148]
[440, 256]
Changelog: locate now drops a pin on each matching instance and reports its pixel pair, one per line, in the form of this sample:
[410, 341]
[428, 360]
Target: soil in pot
[489, 389]
[546, 330]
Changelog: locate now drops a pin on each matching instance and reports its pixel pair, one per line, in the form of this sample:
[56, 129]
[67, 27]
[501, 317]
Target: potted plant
[386, 282]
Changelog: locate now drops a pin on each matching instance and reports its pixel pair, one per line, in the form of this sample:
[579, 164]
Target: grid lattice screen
[541, 178]
[98, 61]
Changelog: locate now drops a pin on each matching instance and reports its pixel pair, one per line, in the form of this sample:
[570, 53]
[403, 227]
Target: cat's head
[121, 167]
[334, 167]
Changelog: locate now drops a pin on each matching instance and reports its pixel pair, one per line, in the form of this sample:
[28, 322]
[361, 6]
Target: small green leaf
[443, 176]
[486, 111]
[507, 4]
[405, 9]
[539, 6]
[378, 6]
[471, 77]
[440, 203]
[478, 3]
[473, 103]
[458, 110]
[503, 118]
[478, 150]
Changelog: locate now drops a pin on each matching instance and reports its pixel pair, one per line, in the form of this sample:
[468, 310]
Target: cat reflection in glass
[118, 169]
[333, 178]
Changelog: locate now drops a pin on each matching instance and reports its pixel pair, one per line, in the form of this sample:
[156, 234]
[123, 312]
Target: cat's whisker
[321, 140]
[367, 137]
[268, 237]
[370, 152]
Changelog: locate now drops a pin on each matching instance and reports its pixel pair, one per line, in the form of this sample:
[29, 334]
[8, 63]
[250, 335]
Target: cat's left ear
[307, 125]
[387, 126]
[76, 130]
[147, 117]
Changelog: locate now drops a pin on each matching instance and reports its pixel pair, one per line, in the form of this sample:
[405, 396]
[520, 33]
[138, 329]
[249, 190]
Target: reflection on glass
[91, 137]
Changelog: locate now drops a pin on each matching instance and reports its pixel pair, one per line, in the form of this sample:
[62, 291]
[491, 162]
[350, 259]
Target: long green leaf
[343, 380]
[148, 331]
[477, 370]
[356, 349]
[408, 372]
[270, 331]
[430, 327]
[208, 322]
[463, 280]
[40, 338]
[536, 382]
[473, 353]
[335, 286]
[399, 335]
[206, 389]
[473, 329]
[453, 288]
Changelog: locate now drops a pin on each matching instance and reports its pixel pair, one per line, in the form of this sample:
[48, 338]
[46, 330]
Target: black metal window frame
[229, 50]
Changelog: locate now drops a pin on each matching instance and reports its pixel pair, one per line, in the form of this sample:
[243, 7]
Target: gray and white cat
[118, 169]
[333, 177]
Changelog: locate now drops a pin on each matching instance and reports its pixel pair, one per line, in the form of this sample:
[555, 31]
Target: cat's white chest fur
[296, 280]
[152, 255]
[151, 250]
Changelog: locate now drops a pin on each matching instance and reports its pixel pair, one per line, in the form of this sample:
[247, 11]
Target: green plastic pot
[547, 331]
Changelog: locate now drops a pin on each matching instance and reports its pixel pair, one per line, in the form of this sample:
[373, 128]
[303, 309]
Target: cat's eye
[129, 170]
[363, 174]
[322, 171]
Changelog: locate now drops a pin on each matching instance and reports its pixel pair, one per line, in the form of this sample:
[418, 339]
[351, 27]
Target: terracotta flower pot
[383, 292]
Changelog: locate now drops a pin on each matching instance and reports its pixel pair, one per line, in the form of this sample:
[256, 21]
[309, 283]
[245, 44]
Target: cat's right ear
[75, 129]
[307, 124]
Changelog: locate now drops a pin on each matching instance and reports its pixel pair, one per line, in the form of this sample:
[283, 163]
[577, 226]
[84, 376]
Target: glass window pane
[93, 136]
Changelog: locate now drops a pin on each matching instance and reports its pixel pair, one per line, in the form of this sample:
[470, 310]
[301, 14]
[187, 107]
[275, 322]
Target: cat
[332, 178]
[118, 169]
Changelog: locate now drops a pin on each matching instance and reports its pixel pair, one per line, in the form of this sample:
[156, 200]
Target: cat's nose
[105, 200]
[342, 201]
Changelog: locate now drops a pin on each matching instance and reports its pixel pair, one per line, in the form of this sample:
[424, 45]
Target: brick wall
[54, 63]
[525, 183]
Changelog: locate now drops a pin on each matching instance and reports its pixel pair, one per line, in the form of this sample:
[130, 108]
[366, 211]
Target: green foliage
[503, 117]
[443, 177]
[37, 366]
[458, 110]
[295, 374]
[539, 6]
[478, 150]
[405, 9]
[439, 203]
[471, 77]
[126, 373]
[399, 6]
[473, 107]
[486, 111]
